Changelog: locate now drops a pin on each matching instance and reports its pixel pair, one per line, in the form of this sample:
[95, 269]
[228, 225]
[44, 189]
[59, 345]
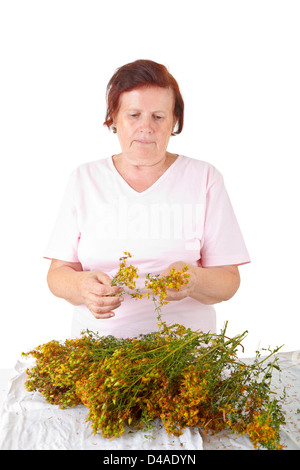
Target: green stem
[164, 358]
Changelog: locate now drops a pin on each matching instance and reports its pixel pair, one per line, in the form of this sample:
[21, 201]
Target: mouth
[143, 142]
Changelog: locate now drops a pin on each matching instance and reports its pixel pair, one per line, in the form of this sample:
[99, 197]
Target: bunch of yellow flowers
[126, 275]
[184, 377]
[156, 285]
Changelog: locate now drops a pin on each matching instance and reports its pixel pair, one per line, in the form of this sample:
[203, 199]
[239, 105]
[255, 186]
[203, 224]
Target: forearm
[63, 282]
[214, 285]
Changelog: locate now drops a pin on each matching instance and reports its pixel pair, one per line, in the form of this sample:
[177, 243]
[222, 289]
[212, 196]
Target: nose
[146, 125]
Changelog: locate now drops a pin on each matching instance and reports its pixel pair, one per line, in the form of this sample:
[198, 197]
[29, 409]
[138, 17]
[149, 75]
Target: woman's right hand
[96, 292]
[67, 280]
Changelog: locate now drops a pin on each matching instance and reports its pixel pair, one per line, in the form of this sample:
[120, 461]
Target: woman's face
[144, 124]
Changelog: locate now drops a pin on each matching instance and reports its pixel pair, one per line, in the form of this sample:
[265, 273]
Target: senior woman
[166, 209]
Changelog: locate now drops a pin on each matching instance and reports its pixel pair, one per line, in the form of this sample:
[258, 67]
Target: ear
[114, 125]
[174, 124]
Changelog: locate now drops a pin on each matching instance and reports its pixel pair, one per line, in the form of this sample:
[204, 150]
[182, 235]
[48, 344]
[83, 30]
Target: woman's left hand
[209, 285]
[185, 290]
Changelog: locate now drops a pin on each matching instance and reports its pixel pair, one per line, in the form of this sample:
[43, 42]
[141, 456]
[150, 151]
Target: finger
[103, 316]
[102, 312]
[113, 290]
[173, 295]
[105, 301]
[101, 289]
[176, 294]
[100, 306]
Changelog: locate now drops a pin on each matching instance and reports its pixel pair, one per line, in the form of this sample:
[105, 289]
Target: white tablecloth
[28, 422]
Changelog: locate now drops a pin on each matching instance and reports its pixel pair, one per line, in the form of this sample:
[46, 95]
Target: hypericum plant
[183, 377]
[156, 285]
[126, 277]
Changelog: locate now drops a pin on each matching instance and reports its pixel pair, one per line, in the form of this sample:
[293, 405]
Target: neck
[126, 164]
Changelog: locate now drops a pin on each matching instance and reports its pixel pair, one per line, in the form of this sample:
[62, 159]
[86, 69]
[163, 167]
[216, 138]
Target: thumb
[103, 278]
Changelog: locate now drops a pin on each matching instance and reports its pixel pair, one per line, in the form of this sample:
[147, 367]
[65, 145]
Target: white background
[237, 64]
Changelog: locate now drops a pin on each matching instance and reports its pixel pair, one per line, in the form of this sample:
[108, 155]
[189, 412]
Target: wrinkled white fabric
[28, 422]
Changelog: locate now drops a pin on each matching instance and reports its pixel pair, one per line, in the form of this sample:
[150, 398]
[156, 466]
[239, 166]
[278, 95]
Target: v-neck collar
[158, 181]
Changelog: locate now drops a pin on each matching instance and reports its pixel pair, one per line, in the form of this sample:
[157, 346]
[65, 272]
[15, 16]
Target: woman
[167, 210]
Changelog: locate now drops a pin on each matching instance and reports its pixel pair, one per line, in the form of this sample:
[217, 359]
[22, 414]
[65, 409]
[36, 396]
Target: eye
[157, 117]
[134, 115]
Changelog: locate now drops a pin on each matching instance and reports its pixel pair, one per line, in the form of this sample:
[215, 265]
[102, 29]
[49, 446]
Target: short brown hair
[139, 74]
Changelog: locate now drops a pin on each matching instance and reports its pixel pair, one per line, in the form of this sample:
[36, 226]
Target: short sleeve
[222, 242]
[63, 242]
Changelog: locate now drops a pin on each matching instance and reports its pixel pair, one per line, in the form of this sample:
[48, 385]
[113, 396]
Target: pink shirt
[186, 215]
